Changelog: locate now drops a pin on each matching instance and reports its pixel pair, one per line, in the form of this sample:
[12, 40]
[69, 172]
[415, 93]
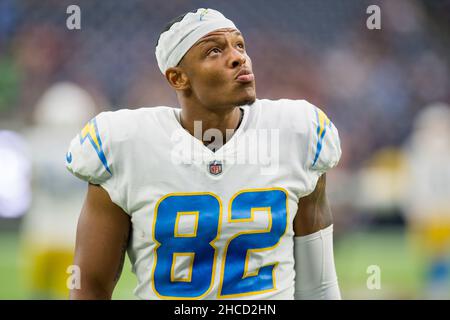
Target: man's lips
[245, 75]
[246, 78]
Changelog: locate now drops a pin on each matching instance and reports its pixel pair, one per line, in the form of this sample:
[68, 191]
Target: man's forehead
[219, 32]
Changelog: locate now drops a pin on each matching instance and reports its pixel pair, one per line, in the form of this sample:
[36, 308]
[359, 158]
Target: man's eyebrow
[214, 37]
[211, 38]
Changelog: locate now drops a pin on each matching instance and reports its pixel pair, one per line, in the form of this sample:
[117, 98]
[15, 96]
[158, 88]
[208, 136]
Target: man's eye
[214, 50]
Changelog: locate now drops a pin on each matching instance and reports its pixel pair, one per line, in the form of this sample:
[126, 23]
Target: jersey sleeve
[94, 156]
[89, 156]
[325, 147]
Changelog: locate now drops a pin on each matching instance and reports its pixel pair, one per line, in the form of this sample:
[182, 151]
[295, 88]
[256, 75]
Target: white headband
[175, 42]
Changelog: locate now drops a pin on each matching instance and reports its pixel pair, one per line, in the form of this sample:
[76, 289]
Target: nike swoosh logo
[69, 157]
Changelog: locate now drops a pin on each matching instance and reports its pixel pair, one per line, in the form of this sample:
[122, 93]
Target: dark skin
[102, 234]
[314, 211]
[205, 82]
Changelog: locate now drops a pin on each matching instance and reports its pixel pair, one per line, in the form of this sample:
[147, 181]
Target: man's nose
[238, 58]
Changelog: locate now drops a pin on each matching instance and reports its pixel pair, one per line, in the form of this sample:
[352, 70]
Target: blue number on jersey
[169, 244]
[237, 281]
[198, 246]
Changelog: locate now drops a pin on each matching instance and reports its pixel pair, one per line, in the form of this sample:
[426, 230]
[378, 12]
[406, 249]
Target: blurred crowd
[370, 82]
[377, 86]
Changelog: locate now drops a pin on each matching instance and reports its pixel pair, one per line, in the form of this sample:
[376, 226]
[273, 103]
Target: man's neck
[204, 124]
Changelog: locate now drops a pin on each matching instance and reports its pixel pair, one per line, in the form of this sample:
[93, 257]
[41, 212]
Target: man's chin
[248, 98]
[247, 101]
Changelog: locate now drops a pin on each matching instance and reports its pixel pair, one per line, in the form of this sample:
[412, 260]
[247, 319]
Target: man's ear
[177, 78]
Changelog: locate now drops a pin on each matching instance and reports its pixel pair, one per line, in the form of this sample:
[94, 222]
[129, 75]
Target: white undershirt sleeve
[314, 267]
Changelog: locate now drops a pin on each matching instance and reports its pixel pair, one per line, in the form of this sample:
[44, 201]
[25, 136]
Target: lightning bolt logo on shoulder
[90, 132]
[323, 123]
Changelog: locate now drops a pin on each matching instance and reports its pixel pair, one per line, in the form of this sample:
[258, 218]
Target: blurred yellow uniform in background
[48, 231]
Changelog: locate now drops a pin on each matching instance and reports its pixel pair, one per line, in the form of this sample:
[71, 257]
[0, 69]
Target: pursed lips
[245, 75]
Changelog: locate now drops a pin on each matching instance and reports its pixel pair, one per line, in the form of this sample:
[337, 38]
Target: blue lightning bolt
[90, 131]
[324, 122]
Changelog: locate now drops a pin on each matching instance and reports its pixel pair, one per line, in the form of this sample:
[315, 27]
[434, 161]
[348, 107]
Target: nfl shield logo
[215, 167]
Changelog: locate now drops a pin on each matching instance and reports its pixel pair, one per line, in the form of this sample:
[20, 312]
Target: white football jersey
[209, 225]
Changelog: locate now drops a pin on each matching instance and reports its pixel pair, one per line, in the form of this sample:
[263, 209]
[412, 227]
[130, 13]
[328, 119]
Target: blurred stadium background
[387, 91]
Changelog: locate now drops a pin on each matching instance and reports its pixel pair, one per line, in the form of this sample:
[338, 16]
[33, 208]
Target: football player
[48, 229]
[223, 198]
